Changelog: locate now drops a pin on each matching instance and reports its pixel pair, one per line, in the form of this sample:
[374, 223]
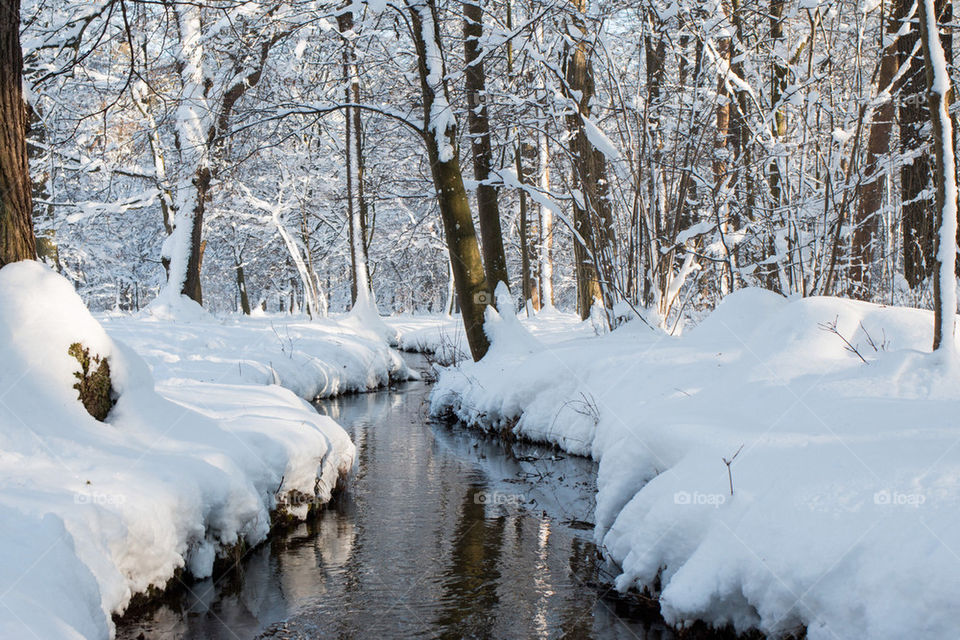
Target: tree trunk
[916, 218]
[353, 144]
[440, 136]
[488, 211]
[531, 290]
[592, 218]
[940, 96]
[242, 288]
[17, 241]
[867, 221]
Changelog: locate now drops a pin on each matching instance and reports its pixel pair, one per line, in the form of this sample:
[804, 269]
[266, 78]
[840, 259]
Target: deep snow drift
[92, 513]
[846, 502]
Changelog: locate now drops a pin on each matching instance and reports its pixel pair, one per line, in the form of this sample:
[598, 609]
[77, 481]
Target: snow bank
[846, 507]
[92, 513]
[312, 358]
[444, 336]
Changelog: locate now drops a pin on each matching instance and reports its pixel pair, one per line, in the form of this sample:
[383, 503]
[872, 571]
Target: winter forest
[478, 318]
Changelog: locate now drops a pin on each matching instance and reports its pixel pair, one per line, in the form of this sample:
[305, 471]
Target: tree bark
[916, 214]
[440, 136]
[592, 218]
[17, 241]
[866, 223]
[939, 98]
[478, 124]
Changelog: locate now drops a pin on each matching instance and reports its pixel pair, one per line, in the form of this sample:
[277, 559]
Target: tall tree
[440, 136]
[866, 223]
[17, 241]
[592, 215]
[916, 220]
[940, 96]
[478, 124]
[356, 200]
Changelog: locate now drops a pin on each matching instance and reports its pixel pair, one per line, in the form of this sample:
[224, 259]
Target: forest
[707, 248]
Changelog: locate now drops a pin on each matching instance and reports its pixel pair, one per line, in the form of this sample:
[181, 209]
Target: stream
[440, 533]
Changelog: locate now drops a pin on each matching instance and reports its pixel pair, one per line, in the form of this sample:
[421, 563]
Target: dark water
[441, 533]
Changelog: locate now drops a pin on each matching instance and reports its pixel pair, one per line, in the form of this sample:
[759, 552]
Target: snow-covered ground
[443, 336]
[846, 502]
[190, 462]
[312, 358]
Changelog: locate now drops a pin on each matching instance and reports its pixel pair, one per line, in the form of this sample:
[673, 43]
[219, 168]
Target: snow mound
[92, 513]
[847, 482]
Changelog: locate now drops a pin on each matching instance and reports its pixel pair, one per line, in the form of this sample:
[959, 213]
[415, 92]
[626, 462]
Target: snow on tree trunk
[193, 122]
[440, 135]
[939, 97]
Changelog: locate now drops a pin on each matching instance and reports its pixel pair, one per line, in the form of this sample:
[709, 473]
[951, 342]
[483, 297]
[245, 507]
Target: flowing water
[441, 532]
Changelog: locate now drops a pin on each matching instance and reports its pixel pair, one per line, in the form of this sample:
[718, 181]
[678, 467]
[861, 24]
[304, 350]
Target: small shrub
[93, 382]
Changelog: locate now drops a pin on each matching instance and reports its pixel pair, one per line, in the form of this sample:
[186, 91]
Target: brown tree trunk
[866, 223]
[16, 224]
[471, 283]
[592, 217]
[478, 123]
[916, 212]
[191, 285]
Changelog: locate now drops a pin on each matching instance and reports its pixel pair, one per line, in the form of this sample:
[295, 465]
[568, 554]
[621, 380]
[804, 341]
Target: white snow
[947, 245]
[846, 501]
[191, 459]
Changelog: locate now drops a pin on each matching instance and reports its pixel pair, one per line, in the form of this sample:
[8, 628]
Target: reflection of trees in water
[471, 578]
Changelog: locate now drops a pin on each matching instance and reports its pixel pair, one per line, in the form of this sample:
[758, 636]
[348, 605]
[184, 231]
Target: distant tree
[17, 241]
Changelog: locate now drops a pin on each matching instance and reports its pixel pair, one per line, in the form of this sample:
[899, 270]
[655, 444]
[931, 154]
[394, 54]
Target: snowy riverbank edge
[191, 462]
[845, 514]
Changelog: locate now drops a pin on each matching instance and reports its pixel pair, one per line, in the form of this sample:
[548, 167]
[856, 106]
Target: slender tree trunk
[353, 144]
[546, 226]
[488, 211]
[867, 221]
[592, 218]
[17, 241]
[531, 289]
[441, 141]
[940, 96]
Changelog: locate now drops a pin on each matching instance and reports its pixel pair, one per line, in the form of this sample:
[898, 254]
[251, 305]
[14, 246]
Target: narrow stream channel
[441, 533]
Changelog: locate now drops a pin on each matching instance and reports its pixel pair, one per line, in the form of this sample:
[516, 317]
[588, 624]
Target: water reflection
[440, 534]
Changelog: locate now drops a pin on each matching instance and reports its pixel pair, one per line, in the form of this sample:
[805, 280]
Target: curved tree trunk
[440, 135]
